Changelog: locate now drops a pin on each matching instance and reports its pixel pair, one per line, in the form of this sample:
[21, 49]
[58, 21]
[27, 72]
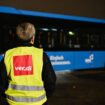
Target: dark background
[88, 8]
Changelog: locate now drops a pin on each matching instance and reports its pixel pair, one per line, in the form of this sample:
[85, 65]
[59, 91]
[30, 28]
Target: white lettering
[57, 57]
[20, 68]
[59, 60]
[61, 63]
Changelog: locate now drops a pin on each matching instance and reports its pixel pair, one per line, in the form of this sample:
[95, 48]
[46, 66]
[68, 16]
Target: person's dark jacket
[48, 76]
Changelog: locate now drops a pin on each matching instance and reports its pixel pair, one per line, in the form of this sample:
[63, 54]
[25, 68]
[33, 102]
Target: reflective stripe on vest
[24, 99]
[26, 88]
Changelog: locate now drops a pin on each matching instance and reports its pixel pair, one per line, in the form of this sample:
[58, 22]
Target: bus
[71, 42]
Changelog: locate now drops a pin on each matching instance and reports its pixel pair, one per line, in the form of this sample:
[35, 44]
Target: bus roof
[10, 10]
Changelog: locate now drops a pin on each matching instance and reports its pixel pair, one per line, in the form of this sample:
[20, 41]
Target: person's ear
[32, 40]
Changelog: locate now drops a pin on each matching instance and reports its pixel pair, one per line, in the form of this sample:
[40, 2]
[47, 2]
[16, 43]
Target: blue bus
[71, 42]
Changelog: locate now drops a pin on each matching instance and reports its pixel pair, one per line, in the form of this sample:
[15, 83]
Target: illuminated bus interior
[55, 34]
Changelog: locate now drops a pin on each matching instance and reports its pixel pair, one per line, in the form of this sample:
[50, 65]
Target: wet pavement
[79, 88]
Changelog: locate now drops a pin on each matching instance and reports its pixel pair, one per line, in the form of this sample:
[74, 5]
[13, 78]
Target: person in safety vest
[26, 73]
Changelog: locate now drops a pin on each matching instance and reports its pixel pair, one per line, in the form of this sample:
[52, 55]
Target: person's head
[25, 32]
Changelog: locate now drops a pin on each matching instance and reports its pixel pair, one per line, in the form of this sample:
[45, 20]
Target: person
[26, 74]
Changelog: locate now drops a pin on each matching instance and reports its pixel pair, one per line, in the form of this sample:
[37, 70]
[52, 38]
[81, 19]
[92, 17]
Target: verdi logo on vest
[28, 68]
[22, 65]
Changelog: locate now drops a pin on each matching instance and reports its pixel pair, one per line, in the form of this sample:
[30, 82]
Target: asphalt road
[79, 88]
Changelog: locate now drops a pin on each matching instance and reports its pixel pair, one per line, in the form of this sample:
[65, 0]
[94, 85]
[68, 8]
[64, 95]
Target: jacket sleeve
[3, 83]
[48, 76]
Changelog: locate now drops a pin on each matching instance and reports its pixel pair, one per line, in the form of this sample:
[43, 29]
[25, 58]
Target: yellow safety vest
[24, 69]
